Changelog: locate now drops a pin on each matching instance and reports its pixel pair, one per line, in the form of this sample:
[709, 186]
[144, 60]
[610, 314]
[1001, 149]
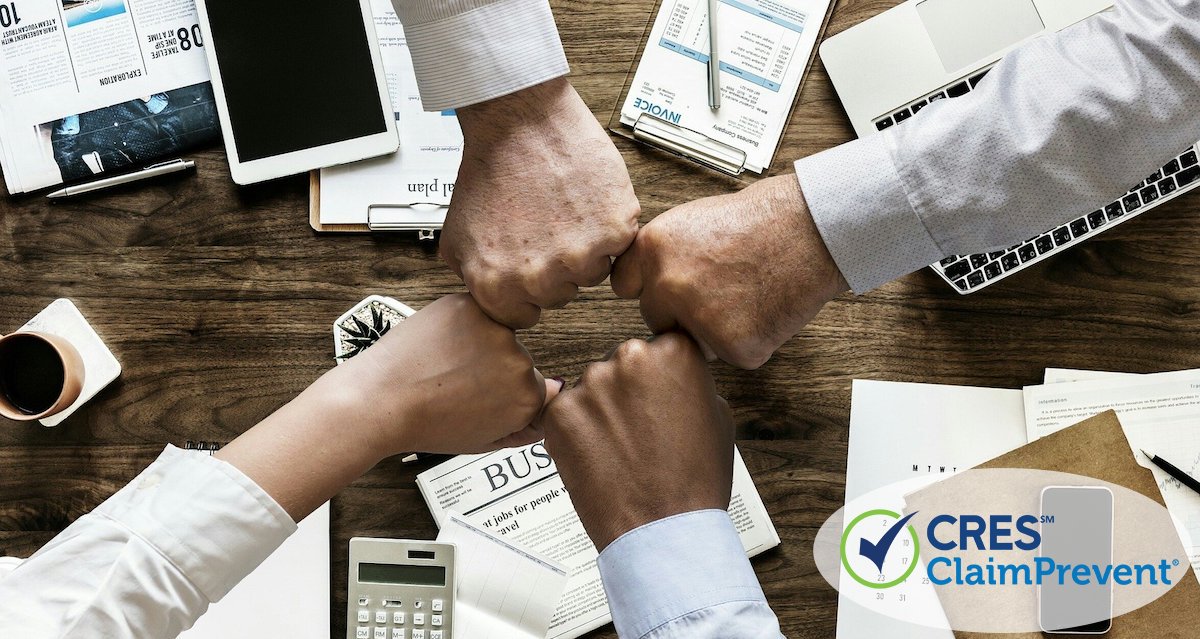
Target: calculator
[400, 589]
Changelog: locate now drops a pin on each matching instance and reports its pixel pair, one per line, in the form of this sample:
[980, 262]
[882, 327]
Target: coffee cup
[40, 375]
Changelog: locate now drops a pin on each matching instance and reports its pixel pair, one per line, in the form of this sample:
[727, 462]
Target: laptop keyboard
[969, 273]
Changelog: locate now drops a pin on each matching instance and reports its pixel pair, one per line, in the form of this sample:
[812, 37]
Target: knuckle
[633, 350]
[595, 375]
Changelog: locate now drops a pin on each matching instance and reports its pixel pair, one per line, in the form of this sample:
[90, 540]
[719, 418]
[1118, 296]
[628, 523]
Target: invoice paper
[900, 432]
[764, 47]
[504, 591]
[1160, 413]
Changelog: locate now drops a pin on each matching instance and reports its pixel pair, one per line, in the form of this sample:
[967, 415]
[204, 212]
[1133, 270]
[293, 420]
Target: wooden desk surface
[218, 302]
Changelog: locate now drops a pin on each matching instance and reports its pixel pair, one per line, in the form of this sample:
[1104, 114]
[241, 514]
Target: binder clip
[425, 218]
[689, 144]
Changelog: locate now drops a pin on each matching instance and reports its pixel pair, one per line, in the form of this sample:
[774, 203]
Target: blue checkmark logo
[877, 551]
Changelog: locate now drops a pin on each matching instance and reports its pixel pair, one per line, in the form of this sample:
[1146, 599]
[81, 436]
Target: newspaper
[89, 86]
[516, 493]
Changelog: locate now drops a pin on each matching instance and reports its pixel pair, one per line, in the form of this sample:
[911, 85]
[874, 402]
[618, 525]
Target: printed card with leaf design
[363, 325]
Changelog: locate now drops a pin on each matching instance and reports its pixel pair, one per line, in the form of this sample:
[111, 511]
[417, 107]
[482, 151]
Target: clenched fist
[542, 203]
[641, 437]
[742, 273]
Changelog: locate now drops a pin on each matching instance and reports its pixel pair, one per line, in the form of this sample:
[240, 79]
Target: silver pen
[153, 170]
[714, 65]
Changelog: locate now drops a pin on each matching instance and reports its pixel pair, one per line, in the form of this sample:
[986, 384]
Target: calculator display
[402, 574]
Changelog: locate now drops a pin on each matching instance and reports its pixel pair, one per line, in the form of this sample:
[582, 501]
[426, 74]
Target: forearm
[330, 417]
[470, 51]
[1058, 128]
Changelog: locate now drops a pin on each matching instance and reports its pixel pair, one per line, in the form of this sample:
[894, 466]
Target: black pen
[1184, 478]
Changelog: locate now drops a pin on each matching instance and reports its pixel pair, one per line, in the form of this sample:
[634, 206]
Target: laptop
[886, 69]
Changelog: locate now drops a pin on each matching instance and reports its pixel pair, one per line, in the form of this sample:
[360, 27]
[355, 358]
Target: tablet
[299, 85]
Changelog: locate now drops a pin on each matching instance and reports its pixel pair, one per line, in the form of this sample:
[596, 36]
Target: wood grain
[218, 301]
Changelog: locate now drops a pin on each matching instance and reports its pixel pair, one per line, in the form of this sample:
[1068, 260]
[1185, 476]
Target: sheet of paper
[516, 494]
[423, 171]
[1160, 414]
[89, 87]
[286, 596]
[1060, 375]
[764, 47]
[504, 591]
[903, 431]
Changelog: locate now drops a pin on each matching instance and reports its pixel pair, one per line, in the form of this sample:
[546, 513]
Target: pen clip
[167, 163]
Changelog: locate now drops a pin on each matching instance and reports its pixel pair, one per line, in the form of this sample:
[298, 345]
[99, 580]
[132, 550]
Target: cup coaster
[361, 326]
[100, 368]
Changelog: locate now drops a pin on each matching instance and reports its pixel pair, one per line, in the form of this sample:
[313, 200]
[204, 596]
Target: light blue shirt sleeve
[1062, 125]
[685, 576]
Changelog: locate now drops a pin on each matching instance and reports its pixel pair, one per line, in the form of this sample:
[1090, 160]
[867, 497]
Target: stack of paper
[504, 591]
[1160, 414]
[904, 431]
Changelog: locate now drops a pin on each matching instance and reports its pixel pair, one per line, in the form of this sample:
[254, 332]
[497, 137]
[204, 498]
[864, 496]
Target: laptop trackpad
[965, 31]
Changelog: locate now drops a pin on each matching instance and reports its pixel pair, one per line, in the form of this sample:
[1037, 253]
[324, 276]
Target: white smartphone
[299, 85]
[1077, 528]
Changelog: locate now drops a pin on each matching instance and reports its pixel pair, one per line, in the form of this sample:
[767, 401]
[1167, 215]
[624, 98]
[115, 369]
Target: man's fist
[641, 437]
[541, 206]
[742, 273]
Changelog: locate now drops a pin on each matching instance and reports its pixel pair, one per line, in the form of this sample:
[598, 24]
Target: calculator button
[398, 633]
[418, 634]
[364, 601]
[364, 616]
[381, 633]
[397, 618]
[418, 603]
[435, 620]
[436, 606]
[362, 632]
[418, 619]
[381, 617]
[435, 634]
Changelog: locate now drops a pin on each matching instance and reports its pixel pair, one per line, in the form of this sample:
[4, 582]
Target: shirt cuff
[206, 517]
[470, 51]
[674, 567]
[863, 213]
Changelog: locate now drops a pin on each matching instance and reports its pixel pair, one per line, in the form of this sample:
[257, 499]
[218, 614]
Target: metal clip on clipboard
[425, 218]
[689, 144]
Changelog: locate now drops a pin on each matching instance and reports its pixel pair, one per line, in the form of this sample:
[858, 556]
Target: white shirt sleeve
[149, 560]
[1061, 126]
[685, 577]
[470, 51]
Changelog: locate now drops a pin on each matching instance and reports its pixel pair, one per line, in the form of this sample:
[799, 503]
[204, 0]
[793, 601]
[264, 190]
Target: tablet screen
[296, 74]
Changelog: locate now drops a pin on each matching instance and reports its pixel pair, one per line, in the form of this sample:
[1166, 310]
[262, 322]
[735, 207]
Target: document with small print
[764, 49]
[517, 495]
[1160, 413]
[504, 591]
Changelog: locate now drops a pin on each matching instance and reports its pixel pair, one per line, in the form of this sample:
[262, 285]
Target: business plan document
[421, 173]
[764, 48]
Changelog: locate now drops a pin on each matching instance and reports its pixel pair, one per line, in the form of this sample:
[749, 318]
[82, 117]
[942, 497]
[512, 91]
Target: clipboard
[1097, 448]
[661, 128]
[425, 219]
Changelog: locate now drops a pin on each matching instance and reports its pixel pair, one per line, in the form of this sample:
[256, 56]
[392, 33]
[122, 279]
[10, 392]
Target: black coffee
[31, 373]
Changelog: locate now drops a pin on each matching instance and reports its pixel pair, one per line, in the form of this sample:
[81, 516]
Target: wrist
[613, 525]
[539, 109]
[825, 272]
[370, 416]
